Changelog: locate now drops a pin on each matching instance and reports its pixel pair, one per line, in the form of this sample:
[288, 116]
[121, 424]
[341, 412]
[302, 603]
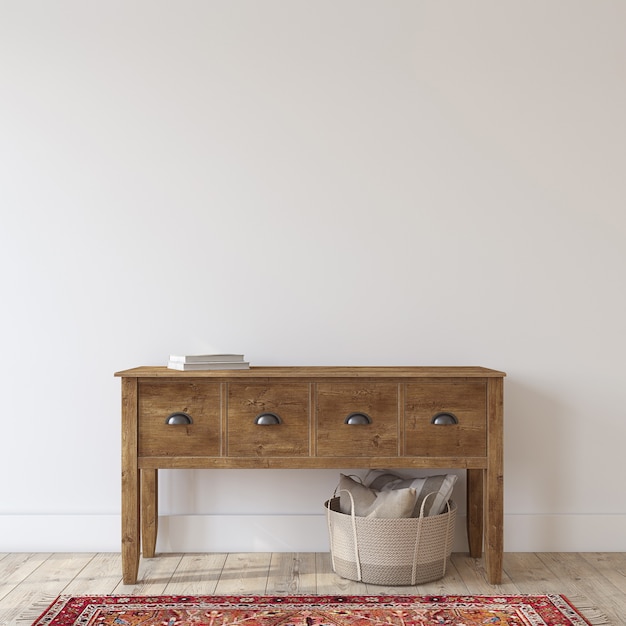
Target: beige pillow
[372, 503]
[394, 504]
[362, 496]
[441, 485]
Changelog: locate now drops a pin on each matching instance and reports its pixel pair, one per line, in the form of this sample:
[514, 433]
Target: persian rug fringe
[590, 612]
[35, 610]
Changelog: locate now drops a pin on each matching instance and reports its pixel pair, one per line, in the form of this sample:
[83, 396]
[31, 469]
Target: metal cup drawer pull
[358, 419]
[267, 419]
[178, 418]
[444, 419]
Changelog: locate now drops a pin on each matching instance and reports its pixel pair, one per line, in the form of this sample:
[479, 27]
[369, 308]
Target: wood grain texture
[318, 462]
[318, 372]
[494, 482]
[197, 574]
[199, 399]
[54, 574]
[149, 511]
[247, 573]
[291, 573]
[130, 481]
[474, 518]
[288, 401]
[338, 400]
[312, 404]
[466, 400]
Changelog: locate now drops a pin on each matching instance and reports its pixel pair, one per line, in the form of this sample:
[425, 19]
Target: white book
[225, 365]
[206, 358]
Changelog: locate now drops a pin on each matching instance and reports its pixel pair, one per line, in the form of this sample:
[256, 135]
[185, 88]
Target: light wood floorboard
[596, 582]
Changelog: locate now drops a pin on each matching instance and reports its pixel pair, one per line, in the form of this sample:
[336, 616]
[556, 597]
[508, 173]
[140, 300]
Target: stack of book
[186, 362]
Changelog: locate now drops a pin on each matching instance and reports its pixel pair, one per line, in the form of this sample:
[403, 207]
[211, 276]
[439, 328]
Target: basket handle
[354, 533]
[419, 536]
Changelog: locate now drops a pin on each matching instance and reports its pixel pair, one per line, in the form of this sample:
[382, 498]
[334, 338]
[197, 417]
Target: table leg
[149, 511]
[494, 541]
[494, 483]
[130, 483]
[475, 512]
[130, 530]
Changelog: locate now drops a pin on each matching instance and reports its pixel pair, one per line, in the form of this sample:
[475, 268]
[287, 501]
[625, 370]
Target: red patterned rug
[521, 610]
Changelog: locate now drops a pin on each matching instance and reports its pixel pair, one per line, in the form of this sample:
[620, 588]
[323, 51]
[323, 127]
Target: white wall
[347, 182]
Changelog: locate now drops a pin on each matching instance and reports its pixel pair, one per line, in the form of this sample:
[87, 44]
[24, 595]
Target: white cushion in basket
[441, 485]
[372, 503]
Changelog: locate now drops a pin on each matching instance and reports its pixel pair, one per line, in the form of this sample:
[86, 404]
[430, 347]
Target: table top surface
[300, 372]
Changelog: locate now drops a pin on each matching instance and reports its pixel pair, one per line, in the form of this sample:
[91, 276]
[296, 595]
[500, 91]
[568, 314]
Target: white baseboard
[564, 533]
[60, 533]
[288, 533]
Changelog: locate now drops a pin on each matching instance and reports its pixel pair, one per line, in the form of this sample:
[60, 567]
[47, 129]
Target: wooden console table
[312, 417]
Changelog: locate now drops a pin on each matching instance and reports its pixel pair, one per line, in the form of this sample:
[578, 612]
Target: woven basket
[381, 551]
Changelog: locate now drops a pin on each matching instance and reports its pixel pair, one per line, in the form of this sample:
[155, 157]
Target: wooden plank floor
[28, 581]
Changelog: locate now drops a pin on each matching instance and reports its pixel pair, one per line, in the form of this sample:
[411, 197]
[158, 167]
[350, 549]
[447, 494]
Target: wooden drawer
[465, 400]
[200, 400]
[289, 402]
[336, 401]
